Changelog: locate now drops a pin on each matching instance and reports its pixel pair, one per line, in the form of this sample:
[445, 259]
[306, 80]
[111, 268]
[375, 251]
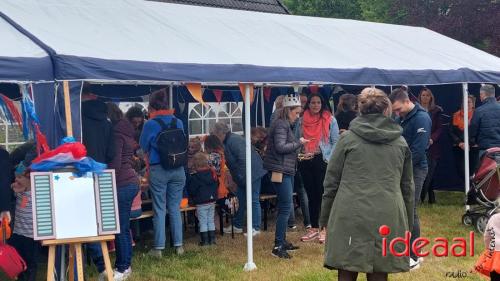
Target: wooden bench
[266, 200]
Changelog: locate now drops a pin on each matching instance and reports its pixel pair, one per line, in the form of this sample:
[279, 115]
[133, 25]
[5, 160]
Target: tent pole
[67, 109]
[262, 107]
[466, 139]
[171, 96]
[250, 265]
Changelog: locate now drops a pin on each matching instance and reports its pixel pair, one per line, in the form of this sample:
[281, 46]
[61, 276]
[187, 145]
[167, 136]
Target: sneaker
[120, 276]
[155, 253]
[289, 247]
[414, 264]
[308, 226]
[235, 229]
[292, 227]
[179, 250]
[254, 232]
[322, 236]
[281, 253]
[310, 235]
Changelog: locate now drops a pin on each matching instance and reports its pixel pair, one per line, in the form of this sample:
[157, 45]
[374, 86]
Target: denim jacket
[325, 147]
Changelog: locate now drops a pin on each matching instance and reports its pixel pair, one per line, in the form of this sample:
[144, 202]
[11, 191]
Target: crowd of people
[326, 159]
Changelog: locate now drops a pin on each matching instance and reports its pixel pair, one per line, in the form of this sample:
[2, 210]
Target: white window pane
[237, 124]
[195, 127]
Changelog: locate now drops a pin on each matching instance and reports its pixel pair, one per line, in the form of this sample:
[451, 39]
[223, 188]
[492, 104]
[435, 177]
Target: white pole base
[249, 266]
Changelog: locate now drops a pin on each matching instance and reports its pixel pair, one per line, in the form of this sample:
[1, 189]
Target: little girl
[489, 262]
[22, 238]
[202, 189]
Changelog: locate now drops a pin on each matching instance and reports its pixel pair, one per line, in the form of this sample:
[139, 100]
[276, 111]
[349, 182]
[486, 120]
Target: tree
[346, 9]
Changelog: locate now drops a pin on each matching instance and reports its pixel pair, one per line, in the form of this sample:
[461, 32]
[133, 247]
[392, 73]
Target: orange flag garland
[242, 90]
[196, 92]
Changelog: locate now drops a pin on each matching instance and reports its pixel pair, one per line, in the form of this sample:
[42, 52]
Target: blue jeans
[166, 191]
[419, 175]
[95, 252]
[206, 217]
[123, 243]
[256, 212]
[284, 191]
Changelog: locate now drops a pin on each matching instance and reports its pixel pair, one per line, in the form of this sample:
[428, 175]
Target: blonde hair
[373, 101]
[200, 160]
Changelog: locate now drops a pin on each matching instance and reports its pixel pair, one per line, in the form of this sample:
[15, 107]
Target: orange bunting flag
[242, 90]
[195, 90]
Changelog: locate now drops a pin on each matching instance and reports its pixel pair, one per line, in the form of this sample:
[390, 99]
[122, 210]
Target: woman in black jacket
[346, 111]
[281, 160]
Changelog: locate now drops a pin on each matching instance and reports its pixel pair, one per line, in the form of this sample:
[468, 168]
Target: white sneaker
[414, 264]
[254, 232]
[121, 276]
[235, 229]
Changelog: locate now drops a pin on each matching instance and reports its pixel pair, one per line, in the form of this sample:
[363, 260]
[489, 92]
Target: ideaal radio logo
[401, 246]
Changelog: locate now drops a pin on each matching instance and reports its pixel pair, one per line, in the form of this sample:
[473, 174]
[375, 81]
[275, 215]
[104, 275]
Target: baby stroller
[484, 191]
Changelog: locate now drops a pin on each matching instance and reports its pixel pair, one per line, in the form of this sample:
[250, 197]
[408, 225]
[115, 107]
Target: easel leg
[71, 263]
[51, 263]
[107, 262]
[79, 261]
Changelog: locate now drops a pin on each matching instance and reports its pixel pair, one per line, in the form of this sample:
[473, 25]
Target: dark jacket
[97, 131]
[234, 151]
[369, 184]
[123, 134]
[417, 132]
[436, 131]
[485, 125]
[5, 181]
[202, 187]
[282, 148]
[344, 118]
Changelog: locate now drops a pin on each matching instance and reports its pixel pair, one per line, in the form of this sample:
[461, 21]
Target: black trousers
[29, 250]
[313, 174]
[427, 188]
[458, 154]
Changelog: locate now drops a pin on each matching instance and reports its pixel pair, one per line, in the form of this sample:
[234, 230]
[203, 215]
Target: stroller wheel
[480, 223]
[467, 219]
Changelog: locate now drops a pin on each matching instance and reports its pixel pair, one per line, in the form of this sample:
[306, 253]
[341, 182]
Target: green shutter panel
[106, 201]
[43, 206]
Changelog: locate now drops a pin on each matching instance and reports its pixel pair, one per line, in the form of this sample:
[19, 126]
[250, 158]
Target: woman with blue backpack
[165, 143]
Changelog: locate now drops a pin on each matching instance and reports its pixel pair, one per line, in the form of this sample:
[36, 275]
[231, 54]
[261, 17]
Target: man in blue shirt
[416, 125]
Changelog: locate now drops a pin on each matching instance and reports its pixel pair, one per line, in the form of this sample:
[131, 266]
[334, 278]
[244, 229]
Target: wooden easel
[75, 244]
[75, 250]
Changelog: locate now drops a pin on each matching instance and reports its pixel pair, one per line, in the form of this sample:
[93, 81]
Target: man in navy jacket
[485, 123]
[416, 125]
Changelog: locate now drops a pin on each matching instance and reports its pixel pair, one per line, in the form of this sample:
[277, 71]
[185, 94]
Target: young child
[203, 192]
[215, 149]
[22, 238]
[489, 262]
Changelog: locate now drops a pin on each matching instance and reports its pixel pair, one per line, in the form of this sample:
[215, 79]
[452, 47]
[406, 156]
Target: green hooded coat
[368, 183]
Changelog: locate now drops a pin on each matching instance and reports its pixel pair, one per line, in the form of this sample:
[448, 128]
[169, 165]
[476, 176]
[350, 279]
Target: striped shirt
[23, 224]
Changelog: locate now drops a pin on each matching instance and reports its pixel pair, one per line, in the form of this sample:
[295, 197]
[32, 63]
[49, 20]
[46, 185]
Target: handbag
[11, 263]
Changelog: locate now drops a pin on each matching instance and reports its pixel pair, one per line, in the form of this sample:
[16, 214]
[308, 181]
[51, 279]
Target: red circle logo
[384, 230]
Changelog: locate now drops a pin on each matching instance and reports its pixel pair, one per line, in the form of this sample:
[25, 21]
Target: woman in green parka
[368, 183]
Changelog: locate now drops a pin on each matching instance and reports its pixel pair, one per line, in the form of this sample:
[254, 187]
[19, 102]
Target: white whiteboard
[74, 205]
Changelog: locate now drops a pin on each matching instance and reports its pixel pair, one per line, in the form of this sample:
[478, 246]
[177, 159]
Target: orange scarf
[315, 128]
[161, 112]
[458, 118]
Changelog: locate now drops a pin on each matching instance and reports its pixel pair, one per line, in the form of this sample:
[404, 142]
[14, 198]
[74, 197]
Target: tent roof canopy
[21, 60]
[136, 41]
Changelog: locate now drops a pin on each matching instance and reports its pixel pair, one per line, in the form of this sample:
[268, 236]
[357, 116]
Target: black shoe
[289, 246]
[211, 238]
[281, 253]
[204, 239]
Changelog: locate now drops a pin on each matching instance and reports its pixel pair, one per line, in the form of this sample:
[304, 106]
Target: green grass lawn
[226, 260]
